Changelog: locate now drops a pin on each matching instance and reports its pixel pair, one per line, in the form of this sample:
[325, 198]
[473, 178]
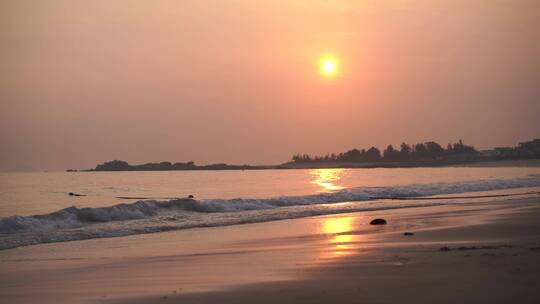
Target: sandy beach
[493, 258]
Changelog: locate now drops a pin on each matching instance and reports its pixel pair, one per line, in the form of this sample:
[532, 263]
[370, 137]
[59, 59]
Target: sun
[328, 66]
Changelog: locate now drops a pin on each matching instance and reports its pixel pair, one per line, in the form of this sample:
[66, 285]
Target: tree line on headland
[406, 153]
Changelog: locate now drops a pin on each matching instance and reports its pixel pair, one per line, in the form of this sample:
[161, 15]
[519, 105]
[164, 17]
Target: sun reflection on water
[337, 229]
[327, 179]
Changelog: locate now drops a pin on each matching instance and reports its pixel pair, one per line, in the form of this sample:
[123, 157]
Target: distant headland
[119, 165]
[428, 154]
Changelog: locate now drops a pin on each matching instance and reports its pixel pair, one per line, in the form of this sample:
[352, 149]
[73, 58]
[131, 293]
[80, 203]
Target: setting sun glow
[328, 66]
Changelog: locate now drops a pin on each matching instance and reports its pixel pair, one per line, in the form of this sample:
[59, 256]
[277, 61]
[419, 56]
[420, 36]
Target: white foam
[153, 216]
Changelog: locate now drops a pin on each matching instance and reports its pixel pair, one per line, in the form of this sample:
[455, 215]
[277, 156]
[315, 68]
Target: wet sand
[494, 257]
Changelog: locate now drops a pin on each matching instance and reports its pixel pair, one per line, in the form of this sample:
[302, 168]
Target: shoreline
[103, 222]
[473, 256]
[241, 263]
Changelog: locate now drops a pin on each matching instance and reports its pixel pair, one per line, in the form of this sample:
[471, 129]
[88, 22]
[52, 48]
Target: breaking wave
[151, 216]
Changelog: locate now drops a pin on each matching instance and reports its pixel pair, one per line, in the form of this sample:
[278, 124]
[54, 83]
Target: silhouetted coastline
[119, 165]
[428, 154]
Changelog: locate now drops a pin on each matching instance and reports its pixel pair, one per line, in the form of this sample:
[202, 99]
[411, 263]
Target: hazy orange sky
[84, 82]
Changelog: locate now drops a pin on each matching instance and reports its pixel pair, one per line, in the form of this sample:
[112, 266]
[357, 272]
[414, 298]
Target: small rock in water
[445, 249]
[408, 233]
[191, 196]
[378, 221]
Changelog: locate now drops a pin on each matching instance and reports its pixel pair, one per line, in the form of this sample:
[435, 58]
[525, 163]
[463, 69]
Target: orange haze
[239, 81]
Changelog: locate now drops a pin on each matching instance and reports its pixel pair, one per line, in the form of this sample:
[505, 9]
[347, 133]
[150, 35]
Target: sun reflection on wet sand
[327, 179]
[337, 229]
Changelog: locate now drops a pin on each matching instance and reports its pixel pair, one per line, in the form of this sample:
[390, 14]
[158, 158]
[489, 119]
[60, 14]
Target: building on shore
[524, 149]
[529, 148]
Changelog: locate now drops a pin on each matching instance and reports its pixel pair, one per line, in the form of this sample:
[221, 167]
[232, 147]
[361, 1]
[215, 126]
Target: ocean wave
[364, 194]
[74, 217]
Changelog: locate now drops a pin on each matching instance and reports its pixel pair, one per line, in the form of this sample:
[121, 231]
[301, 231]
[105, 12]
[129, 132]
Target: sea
[36, 207]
